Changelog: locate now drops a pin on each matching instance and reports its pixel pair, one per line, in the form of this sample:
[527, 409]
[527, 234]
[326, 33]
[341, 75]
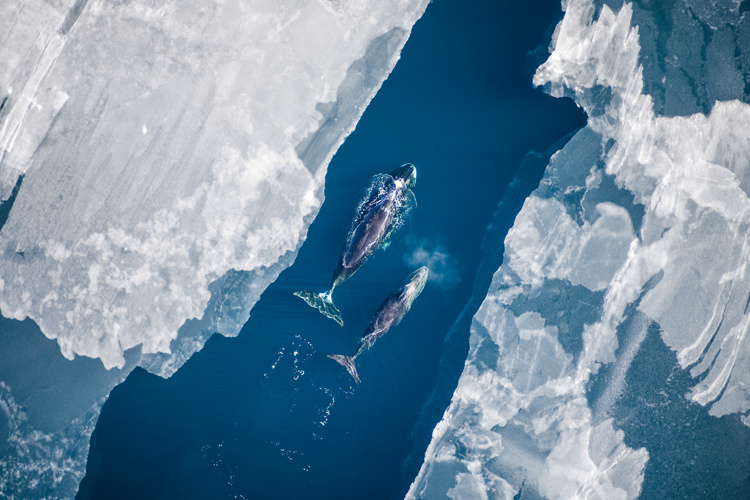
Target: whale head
[406, 173]
[416, 281]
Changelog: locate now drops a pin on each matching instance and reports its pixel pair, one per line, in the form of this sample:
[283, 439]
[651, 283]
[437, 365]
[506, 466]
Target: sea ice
[647, 208]
[172, 156]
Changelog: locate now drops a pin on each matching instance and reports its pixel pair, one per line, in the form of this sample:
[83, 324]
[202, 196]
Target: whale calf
[393, 309]
[385, 206]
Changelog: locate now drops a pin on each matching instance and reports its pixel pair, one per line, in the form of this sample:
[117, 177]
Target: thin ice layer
[520, 420]
[691, 175]
[649, 212]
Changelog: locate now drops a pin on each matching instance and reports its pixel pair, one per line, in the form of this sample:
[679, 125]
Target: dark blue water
[266, 414]
[691, 453]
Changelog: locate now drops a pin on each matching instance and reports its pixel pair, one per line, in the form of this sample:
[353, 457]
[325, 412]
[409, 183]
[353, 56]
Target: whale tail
[348, 363]
[323, 303]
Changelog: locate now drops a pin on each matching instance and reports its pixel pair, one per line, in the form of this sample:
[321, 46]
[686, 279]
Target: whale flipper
[348, 363]
[322, 302]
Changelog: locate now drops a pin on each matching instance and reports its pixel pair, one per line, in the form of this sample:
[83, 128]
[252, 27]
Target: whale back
[373, 221]
[390, 314]
[369, 234]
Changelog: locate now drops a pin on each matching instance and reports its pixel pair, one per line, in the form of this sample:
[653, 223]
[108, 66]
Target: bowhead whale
[390, 314]
[383, 209]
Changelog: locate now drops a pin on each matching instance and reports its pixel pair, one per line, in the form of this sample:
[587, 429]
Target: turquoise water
[267, 414]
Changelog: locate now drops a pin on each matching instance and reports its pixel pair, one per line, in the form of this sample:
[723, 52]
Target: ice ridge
[647, 209]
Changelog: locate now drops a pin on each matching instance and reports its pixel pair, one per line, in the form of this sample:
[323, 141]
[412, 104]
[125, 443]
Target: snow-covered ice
[171, 157]
[642, 221]
[158, 143]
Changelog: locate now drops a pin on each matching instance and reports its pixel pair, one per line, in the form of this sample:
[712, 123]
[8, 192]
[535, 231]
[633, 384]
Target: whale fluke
[348, 363]
[384, 208]
[390, 314]
[323, 303]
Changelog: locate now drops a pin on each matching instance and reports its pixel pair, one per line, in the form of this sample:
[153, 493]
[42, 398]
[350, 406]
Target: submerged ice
[641, 222]
[172, 156]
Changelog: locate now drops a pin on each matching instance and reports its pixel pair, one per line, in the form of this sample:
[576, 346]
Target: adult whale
[385, 206]
[389, 315]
